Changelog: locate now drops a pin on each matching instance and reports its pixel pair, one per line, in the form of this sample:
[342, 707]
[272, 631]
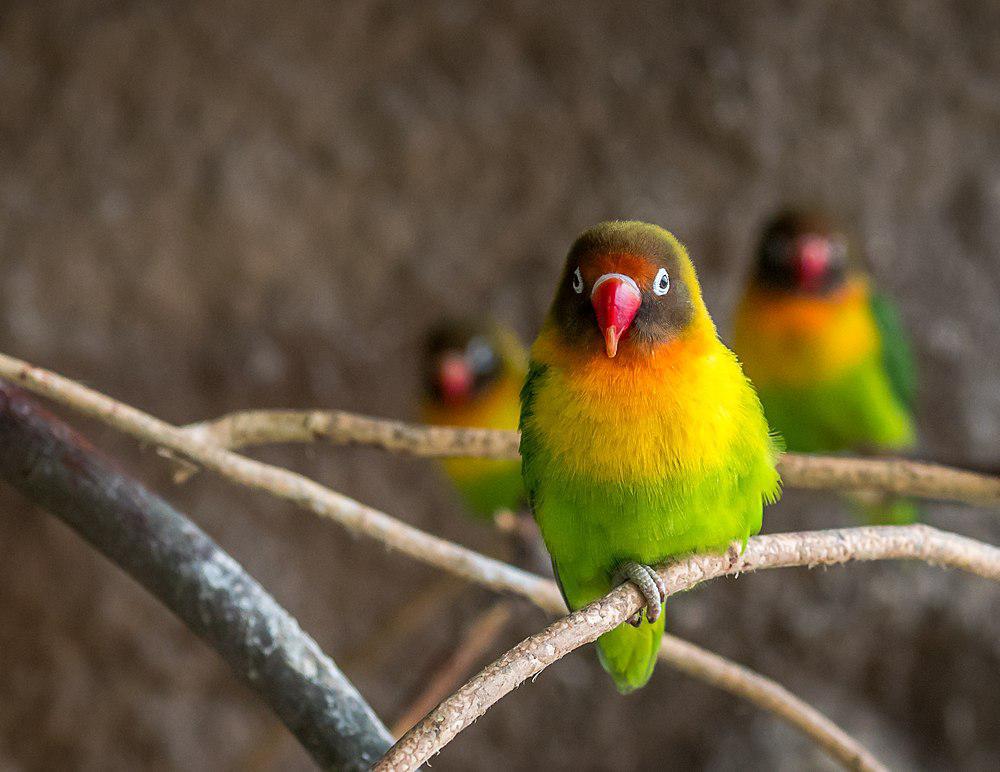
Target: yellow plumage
[637, 452]
[675, 421]
[500, 408]
[793, 340]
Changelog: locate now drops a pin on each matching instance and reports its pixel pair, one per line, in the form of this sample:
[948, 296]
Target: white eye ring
[577, 282]
[662, 282]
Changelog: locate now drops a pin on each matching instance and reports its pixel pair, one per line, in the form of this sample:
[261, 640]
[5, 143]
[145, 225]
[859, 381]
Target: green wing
[529, 444]
[896, 354]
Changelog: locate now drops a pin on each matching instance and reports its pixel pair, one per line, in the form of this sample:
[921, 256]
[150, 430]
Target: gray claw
[650, 585]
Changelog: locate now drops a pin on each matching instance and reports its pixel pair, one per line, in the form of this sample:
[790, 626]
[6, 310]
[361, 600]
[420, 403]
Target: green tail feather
[629, 653]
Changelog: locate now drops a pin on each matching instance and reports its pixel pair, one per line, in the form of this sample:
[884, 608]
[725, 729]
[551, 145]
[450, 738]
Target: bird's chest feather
[798, 341]
[642, 459]
[640, 422]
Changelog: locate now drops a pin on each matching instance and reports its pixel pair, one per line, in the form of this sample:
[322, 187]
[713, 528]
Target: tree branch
[339, 427]
[282, 483]
[770, 695]
[187, 572]
[309, 495]
[895, 476]
[534, 654]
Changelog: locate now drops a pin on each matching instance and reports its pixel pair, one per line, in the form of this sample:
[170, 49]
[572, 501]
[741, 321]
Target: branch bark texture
[534, 654]
[186, 571]
[894, 476]
[199, 447]
[282, 483]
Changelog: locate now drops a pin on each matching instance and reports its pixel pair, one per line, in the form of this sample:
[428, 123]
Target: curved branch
[310, 495]
[753, 687]
[282, 483]
[895, 476]
[534, 654]
[187, 572]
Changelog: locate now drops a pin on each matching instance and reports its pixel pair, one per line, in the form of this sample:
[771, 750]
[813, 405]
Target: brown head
[802, 252]
[627, 285]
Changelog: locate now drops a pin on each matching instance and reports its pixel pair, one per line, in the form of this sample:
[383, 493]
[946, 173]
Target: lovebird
[473, 376]
[641, 437]
[827, 354]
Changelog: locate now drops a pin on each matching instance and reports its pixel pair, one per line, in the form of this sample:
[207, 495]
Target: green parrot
[473, 376]
[827, 354]
[641, 437]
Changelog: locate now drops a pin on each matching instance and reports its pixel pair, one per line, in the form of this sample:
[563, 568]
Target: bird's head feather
[627, 287]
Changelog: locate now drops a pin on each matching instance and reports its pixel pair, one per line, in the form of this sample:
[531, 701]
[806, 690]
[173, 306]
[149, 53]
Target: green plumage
[856, 410]
[592, 527]
[489, 487]
[866, 408]
[896, 354]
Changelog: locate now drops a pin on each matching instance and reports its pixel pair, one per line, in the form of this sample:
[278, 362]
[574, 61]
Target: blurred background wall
[207, 206]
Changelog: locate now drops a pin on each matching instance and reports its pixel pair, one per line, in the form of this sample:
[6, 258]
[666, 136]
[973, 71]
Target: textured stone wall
[210, 205]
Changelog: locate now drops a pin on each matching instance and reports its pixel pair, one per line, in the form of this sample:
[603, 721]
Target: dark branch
[181, 566]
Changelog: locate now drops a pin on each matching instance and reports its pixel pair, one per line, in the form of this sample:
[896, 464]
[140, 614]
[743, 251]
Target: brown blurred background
[207, 206]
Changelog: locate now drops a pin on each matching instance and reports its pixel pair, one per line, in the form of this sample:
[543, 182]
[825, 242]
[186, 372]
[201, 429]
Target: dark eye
[577, 281]
[661, 283]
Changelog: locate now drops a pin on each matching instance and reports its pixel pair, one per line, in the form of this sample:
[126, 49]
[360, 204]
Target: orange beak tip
[611, 336]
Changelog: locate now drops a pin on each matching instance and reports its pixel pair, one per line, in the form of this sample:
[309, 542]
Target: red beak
[616, 301]
[812, 258]
[454, 379]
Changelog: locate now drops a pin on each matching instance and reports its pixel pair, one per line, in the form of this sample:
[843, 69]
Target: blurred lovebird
[472, 379]
[826, 353]
[641, 437]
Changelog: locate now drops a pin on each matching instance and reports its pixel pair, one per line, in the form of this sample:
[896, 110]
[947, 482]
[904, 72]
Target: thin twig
[534, 654]
[887, 475]
[339, 427]
[187, 572]
[312, 496]
[483, 631]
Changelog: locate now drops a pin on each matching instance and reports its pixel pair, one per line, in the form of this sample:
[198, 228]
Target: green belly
[591, 529]
[855, 411]
[487, 486]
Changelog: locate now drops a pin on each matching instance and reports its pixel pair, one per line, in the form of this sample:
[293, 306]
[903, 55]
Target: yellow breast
[639, 418]
[789, 340]
[498, 408]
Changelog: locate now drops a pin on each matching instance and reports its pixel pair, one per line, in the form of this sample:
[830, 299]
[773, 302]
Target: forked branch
[308, 494]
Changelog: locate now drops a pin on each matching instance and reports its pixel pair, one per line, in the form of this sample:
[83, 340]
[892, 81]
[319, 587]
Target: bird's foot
[650, 585]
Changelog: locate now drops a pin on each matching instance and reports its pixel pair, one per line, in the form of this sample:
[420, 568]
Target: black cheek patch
[662, 317]
[574, 315]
